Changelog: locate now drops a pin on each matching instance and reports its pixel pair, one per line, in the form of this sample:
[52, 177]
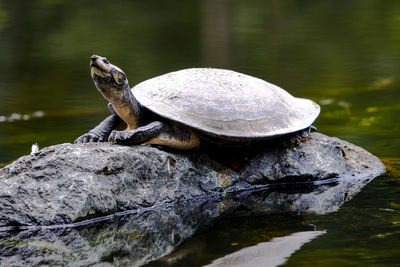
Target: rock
[318, 159]
[67, 184]
[109, 205]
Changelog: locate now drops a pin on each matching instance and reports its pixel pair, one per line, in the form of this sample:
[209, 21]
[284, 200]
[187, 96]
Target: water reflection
[141, 236]
[129, 240]
[25, 117]
[267, 254]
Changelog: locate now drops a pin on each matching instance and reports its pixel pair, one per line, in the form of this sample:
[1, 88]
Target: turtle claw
[127, 137]
[89, 138]
[137, 136]
[118, 137]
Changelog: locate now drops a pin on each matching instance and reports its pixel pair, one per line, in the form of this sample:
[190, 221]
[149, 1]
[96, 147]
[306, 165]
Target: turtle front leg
[137, 136]
[157, 133]
[101, 132]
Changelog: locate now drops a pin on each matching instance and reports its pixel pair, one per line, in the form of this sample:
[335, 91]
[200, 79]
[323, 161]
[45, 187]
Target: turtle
[185, 108]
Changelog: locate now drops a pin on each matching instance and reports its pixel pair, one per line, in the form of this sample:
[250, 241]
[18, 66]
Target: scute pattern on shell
[226, 103]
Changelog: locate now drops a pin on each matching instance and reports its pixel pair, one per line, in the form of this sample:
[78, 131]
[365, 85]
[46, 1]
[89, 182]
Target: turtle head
[110, 80]
[112, 83]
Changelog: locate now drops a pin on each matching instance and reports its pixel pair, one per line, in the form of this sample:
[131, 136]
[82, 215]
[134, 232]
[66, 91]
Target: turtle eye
[119, 77]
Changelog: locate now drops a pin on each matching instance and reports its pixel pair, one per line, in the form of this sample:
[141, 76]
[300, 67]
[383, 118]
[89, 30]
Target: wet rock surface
[68, 183]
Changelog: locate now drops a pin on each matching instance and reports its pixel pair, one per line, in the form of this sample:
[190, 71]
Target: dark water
[345, 56]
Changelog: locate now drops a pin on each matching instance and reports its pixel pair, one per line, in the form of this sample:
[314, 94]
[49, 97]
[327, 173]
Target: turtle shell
[226, 103]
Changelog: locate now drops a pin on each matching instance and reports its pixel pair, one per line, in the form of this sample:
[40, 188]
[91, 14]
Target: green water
[344, 55]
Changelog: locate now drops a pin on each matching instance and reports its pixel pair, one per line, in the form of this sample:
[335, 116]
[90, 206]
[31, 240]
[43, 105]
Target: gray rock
[109, 205]
[66, 184]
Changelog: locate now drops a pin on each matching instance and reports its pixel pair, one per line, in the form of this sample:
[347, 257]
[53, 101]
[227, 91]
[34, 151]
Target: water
[345, 56]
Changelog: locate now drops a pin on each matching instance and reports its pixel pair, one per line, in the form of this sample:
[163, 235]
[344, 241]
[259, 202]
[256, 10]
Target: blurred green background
[345, 55]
